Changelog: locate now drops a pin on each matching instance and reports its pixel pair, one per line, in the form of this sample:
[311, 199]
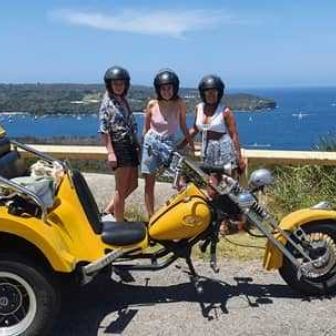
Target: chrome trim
[30, 149]
[27, 192]
[107, 259]
[323, 205]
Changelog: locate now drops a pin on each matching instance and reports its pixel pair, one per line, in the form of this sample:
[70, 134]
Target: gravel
[240, 300]
[102, 186]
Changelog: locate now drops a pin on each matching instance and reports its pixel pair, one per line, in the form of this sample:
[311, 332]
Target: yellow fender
[44, 237]
[273, 257]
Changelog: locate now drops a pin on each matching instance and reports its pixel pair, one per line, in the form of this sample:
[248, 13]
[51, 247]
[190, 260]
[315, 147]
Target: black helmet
[211, 82]
[166, 76]
[116, 73]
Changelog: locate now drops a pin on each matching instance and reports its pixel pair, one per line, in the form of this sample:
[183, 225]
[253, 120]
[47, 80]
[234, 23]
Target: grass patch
[136, 213]
[240, 246]
[302, 187]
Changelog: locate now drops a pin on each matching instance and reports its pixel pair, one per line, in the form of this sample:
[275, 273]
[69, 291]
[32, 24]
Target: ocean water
[302, 117]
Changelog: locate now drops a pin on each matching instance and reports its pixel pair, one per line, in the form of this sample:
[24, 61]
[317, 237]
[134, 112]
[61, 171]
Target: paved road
[241, 300]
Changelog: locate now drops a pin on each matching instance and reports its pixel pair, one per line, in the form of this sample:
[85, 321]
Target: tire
[29, 298]
[325, 284]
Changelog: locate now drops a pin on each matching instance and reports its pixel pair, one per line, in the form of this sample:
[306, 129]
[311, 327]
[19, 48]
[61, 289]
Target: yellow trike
[51, 232]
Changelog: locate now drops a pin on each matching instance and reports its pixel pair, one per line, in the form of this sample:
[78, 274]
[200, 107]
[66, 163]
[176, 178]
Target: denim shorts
[156, 152]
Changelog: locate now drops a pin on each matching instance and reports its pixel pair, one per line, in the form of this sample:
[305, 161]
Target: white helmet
[260, 178]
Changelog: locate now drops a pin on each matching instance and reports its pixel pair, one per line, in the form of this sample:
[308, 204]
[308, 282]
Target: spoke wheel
[323, 254]
[319, 276]
[29, 298]
[17, 304]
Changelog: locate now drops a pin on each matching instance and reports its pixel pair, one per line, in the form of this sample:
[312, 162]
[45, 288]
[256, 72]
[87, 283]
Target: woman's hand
[241, 165]
[112, 160]
[138, 150]
[191, 144]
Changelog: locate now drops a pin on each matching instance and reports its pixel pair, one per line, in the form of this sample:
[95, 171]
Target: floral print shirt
[117, 120]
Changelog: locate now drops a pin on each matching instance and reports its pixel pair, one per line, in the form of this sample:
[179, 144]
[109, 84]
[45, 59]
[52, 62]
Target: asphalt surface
[240, 300]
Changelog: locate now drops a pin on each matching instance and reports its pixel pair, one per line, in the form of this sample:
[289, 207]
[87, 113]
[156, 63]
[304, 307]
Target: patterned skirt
[219, 152]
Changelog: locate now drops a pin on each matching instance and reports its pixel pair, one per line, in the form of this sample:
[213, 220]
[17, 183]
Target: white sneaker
[108, 218]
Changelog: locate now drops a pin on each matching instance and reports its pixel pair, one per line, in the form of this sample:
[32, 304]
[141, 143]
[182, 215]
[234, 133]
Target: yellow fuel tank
[185, 215]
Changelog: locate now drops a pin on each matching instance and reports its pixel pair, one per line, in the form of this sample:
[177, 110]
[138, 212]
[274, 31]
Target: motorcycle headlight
[259, 179]
[246, 199]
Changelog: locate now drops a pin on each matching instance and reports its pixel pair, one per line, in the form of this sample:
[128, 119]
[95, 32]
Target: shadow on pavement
[83, 312]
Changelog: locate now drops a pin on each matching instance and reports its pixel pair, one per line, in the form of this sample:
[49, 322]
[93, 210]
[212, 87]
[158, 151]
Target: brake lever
[213, 263]
[204, 245]
[213, 257]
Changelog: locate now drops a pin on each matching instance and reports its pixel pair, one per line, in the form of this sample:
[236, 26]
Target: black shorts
[126, 154]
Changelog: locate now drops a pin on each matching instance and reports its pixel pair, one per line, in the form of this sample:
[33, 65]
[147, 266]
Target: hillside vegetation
[85, 98]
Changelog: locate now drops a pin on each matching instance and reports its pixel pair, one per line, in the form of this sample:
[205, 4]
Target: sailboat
[300, 115]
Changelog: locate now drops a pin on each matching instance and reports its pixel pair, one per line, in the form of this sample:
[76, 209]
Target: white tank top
[216, 123]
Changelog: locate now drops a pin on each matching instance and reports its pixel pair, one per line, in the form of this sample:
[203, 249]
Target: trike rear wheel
[29, 298]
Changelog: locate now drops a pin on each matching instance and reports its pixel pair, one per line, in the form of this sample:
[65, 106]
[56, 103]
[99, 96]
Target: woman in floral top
[118, 129]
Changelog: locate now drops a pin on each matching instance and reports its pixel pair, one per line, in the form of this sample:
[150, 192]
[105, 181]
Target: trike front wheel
[320, 278]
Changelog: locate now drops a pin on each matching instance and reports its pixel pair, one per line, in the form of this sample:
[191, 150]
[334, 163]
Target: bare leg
[110, 207]
[133, 181]
[149, 193]
[122, 180]
[133, 184]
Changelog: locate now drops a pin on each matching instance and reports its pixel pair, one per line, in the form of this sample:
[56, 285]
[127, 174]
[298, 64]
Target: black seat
[11, 164]
[87, 201]
[122, 234]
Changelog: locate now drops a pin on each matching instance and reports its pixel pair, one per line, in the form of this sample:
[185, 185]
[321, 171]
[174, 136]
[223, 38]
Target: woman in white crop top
[220, 140]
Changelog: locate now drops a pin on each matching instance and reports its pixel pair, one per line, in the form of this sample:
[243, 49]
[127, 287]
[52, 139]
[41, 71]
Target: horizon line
[234, 87]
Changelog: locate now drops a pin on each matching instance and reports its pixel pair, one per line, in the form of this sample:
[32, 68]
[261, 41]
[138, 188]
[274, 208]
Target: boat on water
[300, 115]
[257, 145]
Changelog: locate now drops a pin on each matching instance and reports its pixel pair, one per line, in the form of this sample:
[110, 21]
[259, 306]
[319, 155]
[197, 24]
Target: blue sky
[248, 43]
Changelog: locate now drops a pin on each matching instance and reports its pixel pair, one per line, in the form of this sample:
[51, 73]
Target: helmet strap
[215, 105]
[111, 92]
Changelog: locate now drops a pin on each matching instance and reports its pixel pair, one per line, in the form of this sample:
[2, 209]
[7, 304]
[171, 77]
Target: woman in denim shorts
[164, 116]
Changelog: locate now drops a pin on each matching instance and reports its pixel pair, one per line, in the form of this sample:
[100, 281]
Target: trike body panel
[273, 258]
[184, 216]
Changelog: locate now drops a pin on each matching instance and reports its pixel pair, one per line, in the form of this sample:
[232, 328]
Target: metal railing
[261, 157]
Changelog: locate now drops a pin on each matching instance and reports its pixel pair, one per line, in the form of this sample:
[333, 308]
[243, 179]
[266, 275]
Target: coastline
[85, 99]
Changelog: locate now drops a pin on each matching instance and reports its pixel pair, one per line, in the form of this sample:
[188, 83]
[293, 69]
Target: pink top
[165, 124]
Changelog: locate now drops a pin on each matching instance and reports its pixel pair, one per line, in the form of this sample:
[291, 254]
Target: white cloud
[169, 23]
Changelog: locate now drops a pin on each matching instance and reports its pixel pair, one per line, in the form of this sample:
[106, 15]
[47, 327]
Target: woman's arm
[232, 129]
[192, 133]
[106, 141]
[105, 135]
[148, 116]
[183, 125]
